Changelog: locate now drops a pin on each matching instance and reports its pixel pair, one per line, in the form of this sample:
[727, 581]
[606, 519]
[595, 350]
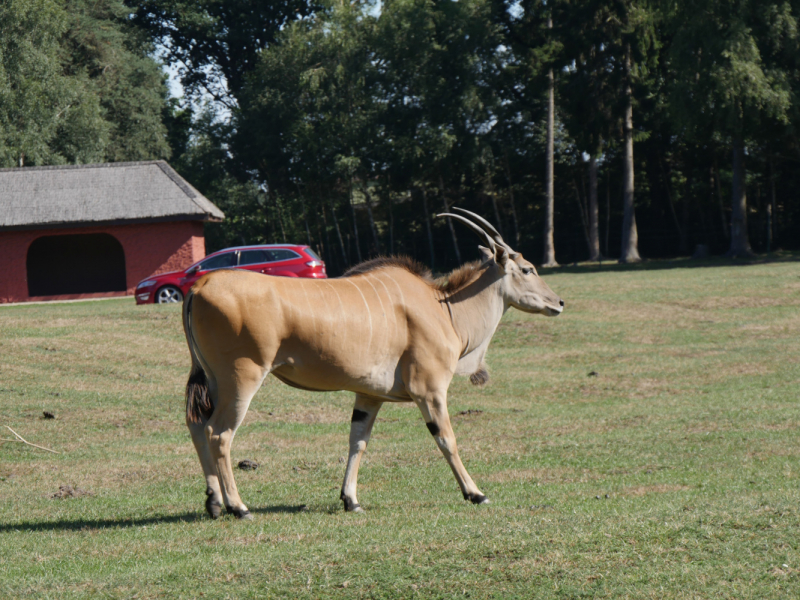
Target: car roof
[259, 246]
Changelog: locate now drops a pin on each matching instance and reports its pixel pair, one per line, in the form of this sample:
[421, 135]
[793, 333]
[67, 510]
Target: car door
[284, 262]
[255, 260]
[212, 263]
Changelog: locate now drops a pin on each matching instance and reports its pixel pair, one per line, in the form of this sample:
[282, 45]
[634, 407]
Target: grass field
[670, 473]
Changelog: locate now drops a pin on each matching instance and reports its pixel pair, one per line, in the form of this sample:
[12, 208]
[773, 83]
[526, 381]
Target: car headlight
[147, 283]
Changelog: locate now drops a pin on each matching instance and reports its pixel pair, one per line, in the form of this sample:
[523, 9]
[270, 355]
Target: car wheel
[168, 294]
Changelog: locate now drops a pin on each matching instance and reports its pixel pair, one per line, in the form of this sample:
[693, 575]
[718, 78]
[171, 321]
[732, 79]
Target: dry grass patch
[644, 490]
[721, 303]
[542, 476]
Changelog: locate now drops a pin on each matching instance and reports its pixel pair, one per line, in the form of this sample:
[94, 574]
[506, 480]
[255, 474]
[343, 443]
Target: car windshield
[219, 261]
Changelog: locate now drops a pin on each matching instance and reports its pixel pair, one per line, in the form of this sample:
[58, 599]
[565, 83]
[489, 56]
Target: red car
[286, 260]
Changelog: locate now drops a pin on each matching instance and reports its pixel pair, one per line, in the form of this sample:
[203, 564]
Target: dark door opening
[76, 264]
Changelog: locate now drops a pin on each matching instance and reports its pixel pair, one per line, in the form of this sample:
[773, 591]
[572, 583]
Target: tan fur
[386, 331]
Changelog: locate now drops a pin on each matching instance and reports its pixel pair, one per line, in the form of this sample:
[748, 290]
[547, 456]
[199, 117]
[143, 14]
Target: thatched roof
[111, 193]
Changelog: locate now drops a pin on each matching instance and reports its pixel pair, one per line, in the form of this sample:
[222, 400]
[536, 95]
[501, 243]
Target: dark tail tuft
[198, 400]
[479, 377]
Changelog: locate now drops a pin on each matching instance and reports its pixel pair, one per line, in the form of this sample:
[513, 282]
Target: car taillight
[313, 263]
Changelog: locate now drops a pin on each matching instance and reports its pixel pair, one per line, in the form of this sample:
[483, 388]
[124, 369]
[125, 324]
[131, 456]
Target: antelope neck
[475, 312]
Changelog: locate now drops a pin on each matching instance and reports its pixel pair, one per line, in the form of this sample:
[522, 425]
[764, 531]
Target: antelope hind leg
[235, 389]
[434, 410]
[364, 413]
[213, 493]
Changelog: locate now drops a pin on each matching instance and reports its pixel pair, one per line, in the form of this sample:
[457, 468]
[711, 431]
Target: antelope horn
[475, 228]
[489, 227]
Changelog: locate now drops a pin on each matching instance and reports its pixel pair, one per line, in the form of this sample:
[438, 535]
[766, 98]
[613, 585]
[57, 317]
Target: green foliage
[77, 85]
[216, 43]
[46, 116]
[735, 63]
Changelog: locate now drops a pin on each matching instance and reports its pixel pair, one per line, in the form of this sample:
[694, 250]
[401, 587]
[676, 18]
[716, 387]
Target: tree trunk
[608, 213]
[740, 244]
[324, 248]
[769, 228]
[630, 237]
[549, 256]
[449, 220]
[305, 215]
[685, 214]
[773, 203]
[355, 221]
[594, 220]
[374, 229]
[338, 234]
[390, 204]
[720, 201]
[583, 210]
[280, 217]
[511, 201]
[493, 196]
[666, 185]
[428, 226]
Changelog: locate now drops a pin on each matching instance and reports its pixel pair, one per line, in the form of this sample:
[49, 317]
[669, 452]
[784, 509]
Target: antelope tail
[199, 406]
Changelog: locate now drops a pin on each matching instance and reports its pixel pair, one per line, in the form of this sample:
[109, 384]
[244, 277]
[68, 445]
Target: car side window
[220, 261]
[253, 257]
[282, 254]
[313, 254]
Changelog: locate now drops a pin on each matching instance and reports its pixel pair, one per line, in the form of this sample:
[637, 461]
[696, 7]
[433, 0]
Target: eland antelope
[386, 330]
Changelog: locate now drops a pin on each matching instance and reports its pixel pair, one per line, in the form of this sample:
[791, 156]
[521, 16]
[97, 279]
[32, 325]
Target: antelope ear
[486, 254]
[501, 256]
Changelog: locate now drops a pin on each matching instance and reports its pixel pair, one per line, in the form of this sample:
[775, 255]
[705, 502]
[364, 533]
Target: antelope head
[519, 282]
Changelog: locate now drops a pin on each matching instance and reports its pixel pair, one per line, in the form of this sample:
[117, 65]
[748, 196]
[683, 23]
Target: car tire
[168, 294]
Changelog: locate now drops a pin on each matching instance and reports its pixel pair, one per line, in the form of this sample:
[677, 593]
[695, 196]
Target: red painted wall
[150, 249]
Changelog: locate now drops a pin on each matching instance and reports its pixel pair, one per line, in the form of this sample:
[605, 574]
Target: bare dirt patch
[67, 491]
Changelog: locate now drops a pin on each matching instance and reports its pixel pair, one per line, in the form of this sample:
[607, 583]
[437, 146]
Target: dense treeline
[589, 129]
[78, 85]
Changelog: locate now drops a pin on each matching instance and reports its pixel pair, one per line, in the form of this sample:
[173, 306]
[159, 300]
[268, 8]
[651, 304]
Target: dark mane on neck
[448, 284]
[382, 262]
[460, 277]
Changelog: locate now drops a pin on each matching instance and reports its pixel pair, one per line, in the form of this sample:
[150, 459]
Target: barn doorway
[75, 264]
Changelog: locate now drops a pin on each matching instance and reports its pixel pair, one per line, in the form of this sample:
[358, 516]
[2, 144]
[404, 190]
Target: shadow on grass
[611, 265]
[89, 524]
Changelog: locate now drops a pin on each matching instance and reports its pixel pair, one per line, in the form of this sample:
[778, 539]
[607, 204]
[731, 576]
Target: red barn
[88, 231]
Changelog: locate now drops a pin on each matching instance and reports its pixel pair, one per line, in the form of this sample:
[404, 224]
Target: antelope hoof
[213, 507]
[240, 513]
[350, 506]
[476, 498]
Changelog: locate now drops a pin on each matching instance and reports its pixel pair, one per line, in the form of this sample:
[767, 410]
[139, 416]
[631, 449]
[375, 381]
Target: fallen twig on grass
[24, 441]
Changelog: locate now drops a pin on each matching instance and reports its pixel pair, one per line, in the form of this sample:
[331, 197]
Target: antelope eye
[527, 271]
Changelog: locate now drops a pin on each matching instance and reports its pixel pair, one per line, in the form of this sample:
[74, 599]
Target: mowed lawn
[642, 445]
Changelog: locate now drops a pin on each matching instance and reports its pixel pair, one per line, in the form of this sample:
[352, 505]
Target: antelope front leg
[437, 420]
[364, 413]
